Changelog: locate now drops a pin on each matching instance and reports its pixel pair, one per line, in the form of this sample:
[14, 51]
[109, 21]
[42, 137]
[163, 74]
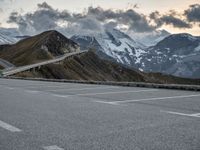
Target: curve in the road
[27, 67]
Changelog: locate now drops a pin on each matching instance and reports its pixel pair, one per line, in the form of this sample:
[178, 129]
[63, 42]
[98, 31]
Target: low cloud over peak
[193, 13]
[169, 19]
[95, 19]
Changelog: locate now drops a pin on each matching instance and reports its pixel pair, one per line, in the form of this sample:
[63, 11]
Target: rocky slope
[44, 46]
[115, 44]
[8, 36]
[150, 38]
[177, 55]
[89, 66]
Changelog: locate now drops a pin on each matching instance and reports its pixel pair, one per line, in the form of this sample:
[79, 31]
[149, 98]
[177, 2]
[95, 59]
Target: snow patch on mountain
[8, 35]
[115, 44]
[178, 55]
[149, 38]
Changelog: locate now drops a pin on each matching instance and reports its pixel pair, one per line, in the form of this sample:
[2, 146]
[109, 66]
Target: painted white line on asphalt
[53, 147]
[62, 96]
[198, 114]
[117, 92]
[30, 91]
[9, 127]
[104, 93]
[77, 89]
[10, 88]
[150, 99]
[182, 114]
[104, 102]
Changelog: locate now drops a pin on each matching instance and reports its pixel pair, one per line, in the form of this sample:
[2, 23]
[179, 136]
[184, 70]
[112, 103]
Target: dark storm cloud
[169, 19]
[46, 17]
[134, 20]
[15, 17]
[193, 13]
[44, 5]
[95, 19]
[176, 22]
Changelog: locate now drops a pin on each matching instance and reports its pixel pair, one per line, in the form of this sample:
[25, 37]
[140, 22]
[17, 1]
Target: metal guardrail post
[1, 73]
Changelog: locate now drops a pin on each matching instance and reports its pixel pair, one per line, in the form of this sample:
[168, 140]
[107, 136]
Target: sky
[175, 16]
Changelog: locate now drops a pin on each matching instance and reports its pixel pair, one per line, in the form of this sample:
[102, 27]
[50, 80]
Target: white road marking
[9, 127]
[30, 91]
[149, 99]
[62, 96]
[182, 114]
[104, 93]
[10, 88]
[117, 92]
[77, 89]
[104, 102]
[198, 114]
[53, 147]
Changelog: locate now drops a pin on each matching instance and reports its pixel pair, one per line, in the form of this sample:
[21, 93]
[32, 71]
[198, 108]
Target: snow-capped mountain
[178, 54]
[8, 35]
[4, 39]
[115, 44]
[150, 38]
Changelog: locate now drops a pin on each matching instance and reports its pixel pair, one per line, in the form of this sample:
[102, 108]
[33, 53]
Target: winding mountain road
[15, 70]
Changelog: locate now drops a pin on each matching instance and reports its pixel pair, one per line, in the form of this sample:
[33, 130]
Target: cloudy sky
[141, 16]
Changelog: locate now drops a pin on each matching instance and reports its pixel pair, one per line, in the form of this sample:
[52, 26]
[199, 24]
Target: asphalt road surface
[65, 116]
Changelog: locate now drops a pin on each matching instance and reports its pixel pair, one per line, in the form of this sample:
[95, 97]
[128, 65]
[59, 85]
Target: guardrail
[128, 84]
[27, 67]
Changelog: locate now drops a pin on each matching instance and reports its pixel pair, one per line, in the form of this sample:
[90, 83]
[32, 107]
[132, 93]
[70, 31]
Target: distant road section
[27, 67]
[6, 64]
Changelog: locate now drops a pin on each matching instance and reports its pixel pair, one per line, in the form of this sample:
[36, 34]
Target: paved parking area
[38, 115]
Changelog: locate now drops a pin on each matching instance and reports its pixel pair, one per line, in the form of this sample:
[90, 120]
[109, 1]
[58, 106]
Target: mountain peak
[176, 41]
[43, 46]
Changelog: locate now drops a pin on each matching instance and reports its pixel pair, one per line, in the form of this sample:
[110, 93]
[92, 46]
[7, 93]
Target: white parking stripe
[9, 127]
[117, 92]
[30, 91]
[77, 89]
[151, 99]
[104, 93]
[198, 114]
[53, 147]
[62, 96]
[182, 114]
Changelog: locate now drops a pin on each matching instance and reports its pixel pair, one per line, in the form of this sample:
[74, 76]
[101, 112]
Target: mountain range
[115, 44]
[174, 54]
[177, 54]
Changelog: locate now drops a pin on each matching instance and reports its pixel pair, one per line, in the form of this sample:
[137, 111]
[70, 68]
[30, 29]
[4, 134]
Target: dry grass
[31, 50]
[89, 66]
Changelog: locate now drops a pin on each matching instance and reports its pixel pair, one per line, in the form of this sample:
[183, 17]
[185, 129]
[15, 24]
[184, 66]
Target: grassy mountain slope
[89, 66]
[44, 46]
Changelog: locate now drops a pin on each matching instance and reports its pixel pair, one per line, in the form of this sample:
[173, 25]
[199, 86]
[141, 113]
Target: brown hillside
[89, 66]
[41, 47]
